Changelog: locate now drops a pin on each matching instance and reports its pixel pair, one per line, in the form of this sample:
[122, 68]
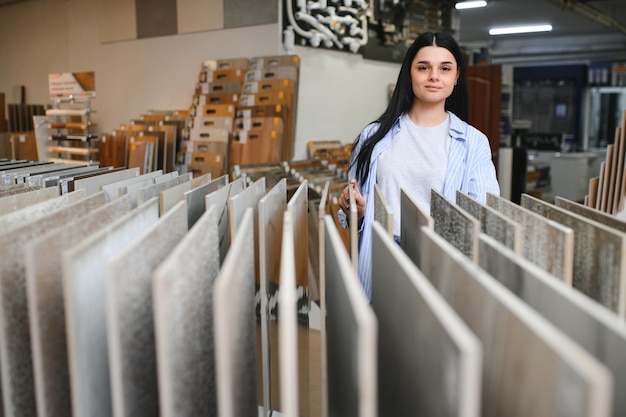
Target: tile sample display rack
[71, 137]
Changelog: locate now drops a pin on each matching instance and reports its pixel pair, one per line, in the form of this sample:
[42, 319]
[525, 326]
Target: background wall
[339, 92]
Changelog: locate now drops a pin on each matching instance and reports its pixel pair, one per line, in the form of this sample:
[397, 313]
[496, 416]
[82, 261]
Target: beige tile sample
[412, 218]
[184, 319]
[429, 361]
[18, 387]
[219, 198]
[84, 289]
[92, 185]
[599, 255]
[145, 194]
[492, 222]
[352, 331]
[455, 225]
[130, 317]
[44, 284]
[596, 329]
[18, 201]
[382, 210]
[530, 367]
[546, 243]
[235, 328]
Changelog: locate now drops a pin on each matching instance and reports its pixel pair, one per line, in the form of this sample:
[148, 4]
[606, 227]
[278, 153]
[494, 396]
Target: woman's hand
[344, 199]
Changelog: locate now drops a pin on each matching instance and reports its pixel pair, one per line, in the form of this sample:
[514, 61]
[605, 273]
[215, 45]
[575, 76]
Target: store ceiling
[566, 21]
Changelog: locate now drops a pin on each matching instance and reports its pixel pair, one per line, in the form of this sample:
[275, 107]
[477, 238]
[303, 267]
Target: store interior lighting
[470, 5]
[509, 30]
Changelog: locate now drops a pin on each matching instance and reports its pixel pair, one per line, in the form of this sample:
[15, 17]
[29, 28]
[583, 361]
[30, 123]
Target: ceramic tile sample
[15, 202]
[352, 330]
[184, 322]
[413, 217]
[492, 222]
[599, 255]
[169, 197]
[145, 194]
[530, 367]
[220, 199]
[455, 225]
[353, 221]
[599, 331]
[84, 289]
[113, 189]
[32, 213]
[130, 317]
[298, 204]
[92, 185]
[272, 207]
[547, 244]
[44, 284]
[382, 210]
[288, 322]
[18, 386]
[429, 362]
[235, 328]
[321, 213]
[239, 203]
[196, 204]
[134, 187]
[591, 214]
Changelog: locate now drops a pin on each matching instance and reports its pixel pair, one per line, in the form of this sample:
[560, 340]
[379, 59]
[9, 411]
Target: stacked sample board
[243, 113]
[136, 294]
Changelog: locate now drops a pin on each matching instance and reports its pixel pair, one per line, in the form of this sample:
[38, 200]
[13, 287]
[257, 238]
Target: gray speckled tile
[130, 316]
[599, 255]
[196, 198]
[184, 322]
[18, 386]
[15, 202]
[44, 283]
[352, 332]
[84, 285]
[530, 367]
[455, 225]
[545, 243]
[412, 218]
[492, 222]
[591, 213]
[235, 328]
[429, 362]
[599, 331]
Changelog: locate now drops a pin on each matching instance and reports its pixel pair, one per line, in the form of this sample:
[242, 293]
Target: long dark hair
[402, 97]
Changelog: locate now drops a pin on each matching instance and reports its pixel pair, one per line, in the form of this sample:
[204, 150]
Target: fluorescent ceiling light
[470, 4]
[520, 29]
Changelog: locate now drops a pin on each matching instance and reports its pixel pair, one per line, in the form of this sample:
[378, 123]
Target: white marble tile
[44, 283]
[429, 361]
[145, 194]
[235, 328]
[130, 317]
[530, 367]
[84, 286]
[93, 184]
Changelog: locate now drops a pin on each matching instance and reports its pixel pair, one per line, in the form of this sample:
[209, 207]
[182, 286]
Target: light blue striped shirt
[470, 169]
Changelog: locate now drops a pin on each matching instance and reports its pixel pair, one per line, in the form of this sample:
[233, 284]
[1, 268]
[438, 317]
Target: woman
[421, 142]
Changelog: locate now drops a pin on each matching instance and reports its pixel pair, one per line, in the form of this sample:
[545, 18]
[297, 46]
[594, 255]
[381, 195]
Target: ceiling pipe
[591, 13]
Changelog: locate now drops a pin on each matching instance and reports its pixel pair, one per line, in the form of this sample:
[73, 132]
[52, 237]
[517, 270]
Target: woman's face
[433, 74]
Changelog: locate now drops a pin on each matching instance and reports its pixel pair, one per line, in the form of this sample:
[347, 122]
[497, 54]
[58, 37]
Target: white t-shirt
[416, 161]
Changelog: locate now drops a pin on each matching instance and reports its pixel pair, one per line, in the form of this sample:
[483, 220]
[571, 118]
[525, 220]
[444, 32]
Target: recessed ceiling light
[469, 5]
[520, 29]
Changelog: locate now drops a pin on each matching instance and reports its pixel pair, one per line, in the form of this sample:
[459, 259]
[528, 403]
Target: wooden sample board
[492, 222]
[130, 317]
[382, 210]
[18, 386]
[84, 287]
[599, 331]
[455, 225]
[599, 255]
[196, 198]
[352, 331]
[429, 362]
[530, 367]
[235, 328]
[413, 217]
[272, 208]
[46, 304]
[548, 244]
[184, 316]
[220, 198]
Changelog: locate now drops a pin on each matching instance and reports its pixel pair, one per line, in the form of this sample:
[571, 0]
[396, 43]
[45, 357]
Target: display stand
[71, 138]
